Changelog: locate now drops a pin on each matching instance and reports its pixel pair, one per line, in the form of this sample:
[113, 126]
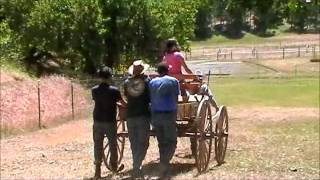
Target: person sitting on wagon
[105, 99]
[174, 58]
[175, 61]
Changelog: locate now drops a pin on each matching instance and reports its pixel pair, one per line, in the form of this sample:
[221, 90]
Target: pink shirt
[173, 60]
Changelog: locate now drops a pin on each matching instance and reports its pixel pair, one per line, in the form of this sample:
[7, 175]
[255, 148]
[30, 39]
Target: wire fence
[31, 105]
[259, 52]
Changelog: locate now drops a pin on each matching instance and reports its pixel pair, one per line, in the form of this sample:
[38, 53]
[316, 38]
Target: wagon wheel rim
[120, 145]
[204, 143]
[221, 140]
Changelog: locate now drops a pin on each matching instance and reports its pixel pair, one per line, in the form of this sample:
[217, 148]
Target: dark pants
[166, 132]
[100, 130]
[138, 129]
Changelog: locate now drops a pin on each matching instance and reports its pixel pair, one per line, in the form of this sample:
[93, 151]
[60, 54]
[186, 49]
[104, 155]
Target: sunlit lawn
[247, 39]
[286, 92]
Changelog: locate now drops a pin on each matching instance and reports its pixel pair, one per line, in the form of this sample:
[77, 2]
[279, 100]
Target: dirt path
[66, 151]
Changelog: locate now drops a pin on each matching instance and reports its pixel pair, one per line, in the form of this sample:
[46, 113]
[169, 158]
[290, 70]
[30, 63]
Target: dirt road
[65, 152]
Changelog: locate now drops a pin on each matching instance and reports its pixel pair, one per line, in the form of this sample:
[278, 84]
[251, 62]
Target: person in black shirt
[138, 114]
[105, 97]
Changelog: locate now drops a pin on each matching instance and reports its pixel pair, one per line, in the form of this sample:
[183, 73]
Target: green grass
[16, 68]
[247, 39]
[291, 92]
[274, 149]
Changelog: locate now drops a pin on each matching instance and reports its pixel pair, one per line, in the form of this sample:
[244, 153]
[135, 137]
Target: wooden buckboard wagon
[199, 118]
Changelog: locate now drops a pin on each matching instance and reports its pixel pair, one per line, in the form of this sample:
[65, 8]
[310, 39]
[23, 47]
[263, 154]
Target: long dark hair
[170, 43]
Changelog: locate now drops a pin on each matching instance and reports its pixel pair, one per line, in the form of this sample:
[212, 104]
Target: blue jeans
[164, 124]
[138, 130]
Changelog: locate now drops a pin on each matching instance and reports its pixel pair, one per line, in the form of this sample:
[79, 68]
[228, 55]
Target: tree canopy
[85, 34]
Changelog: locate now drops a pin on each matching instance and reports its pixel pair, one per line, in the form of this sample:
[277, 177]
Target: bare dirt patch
[66, 151]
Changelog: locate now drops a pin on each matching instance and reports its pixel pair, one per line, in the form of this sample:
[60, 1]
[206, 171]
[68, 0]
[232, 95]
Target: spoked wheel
[203, 135]
[120, 144]
[221, 139]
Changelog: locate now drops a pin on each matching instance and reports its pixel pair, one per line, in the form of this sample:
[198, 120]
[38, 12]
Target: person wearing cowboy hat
[138, 113]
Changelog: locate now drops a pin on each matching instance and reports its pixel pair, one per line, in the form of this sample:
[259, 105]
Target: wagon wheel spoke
[203, 142]
[120, 144]
[120, 139]
[106, 153]
[222, 136]
[204, 156]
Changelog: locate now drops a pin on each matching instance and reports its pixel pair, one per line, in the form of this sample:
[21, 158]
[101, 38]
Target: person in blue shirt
[164, 91]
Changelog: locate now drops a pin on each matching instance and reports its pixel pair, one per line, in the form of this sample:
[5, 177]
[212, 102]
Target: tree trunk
[112, 43]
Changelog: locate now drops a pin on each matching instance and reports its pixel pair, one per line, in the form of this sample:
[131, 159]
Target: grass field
[222, 40]
[271, 150]
[276, 92]
[251, 39]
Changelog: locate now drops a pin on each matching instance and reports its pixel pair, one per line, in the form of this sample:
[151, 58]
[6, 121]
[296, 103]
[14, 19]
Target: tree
[267, 14]
[204, 19]
[300, 13]
[86, 34]
[236, 10]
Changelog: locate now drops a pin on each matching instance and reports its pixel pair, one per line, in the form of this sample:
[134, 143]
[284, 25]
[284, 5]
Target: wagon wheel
[221, 139]
[203, 135]
[120, 142]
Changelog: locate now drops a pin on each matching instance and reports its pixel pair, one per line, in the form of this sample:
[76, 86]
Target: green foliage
[86, 34]
[231, 17]
[204, 18]
[174, 18]
[301, 14]
[268, 14]
[9, 50]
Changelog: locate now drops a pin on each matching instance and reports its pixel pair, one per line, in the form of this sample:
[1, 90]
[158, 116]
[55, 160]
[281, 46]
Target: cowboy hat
[138, 63]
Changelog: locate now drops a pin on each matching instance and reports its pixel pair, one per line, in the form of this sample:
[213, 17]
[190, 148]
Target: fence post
[314, 51]
[72, 101]
[231, 55]
[299, 51]
[209, 78]
[218, 53]
[282, 53]
[256, 52]
[39, 105]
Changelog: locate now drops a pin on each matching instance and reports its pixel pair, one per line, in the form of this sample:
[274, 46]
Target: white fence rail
[237, 53]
